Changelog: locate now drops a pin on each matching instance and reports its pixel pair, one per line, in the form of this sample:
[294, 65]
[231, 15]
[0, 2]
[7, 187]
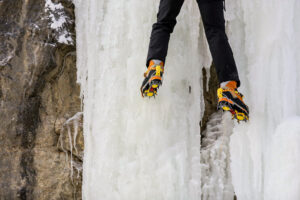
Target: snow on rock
[58, 21]
[65, 38]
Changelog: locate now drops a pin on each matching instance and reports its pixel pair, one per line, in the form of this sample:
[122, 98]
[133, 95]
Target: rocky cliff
[40, 109]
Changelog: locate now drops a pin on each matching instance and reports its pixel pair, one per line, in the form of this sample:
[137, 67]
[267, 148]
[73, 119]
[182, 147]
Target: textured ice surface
[142, 149]
[215, 158]
[138, 148]
[265, 152]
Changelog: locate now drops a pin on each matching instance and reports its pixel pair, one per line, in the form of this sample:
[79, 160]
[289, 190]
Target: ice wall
[143, 149]
[138, 148]
[265, 152]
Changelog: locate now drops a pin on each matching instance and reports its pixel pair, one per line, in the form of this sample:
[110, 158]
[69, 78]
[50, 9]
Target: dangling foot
[229, 99]
[153, 78]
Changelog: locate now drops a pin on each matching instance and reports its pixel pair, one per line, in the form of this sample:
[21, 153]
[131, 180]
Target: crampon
[231, 100]
[153, 79]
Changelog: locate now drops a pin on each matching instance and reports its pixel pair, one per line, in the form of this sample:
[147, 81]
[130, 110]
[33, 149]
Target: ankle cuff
[229, 84]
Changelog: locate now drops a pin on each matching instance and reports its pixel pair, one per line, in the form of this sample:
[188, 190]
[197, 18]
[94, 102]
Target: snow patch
[65, 38]
[52, 6]
[58, 21]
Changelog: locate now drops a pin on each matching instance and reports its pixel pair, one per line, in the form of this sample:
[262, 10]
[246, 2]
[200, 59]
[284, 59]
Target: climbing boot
[153, 78]
[229, 99]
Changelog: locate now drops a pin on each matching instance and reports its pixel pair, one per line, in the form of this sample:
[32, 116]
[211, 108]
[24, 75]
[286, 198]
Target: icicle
[71, 124]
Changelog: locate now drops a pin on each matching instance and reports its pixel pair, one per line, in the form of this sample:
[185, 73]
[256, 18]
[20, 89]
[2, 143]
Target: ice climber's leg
[214, 25]
[161, 30]
[229, 99]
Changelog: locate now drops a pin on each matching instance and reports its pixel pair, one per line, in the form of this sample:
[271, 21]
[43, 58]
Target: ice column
[265, 152]
[138, 148]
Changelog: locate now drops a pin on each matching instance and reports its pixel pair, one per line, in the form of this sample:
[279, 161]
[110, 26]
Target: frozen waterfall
[265, 153]
[139, 149]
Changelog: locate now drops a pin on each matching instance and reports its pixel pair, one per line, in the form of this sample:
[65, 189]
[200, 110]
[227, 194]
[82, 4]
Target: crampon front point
[153, 79]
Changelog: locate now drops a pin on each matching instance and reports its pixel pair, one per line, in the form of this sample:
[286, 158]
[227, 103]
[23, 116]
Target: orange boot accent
[150, 67]
[231, 85]
[153, 78]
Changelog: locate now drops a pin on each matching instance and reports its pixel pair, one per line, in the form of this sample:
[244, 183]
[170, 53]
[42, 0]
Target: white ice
[216, 181]
[138, 148]
[265, 152]
[149, 149]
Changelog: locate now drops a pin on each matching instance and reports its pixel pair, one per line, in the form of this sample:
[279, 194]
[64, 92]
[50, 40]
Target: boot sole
[153, 86]
[225, 106]
[153, 83]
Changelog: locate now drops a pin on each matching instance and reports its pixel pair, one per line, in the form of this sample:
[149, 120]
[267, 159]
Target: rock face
[40, 120]
[210, 95]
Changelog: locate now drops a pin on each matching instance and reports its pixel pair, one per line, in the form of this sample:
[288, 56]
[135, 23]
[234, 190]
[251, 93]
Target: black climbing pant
[214, 25]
